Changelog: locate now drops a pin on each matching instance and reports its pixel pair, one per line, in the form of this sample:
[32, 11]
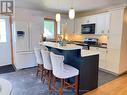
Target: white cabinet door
[113, 59]
[103, 22]
[70, 26]
[115, 33]
[89, 19]
[35, 30]
[85, 20]
[22, 42]
[114, 40]
[78, 23]
[102, 58]
[93, 19]
[94, 48]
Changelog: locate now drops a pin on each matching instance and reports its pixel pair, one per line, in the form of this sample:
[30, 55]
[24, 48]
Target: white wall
[29, 20]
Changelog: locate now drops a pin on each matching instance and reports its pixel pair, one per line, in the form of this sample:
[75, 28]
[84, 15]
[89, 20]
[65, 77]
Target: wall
[123, 57]
[33, 19]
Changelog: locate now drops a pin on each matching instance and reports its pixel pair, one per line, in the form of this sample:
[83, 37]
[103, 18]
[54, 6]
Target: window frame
[55, 27]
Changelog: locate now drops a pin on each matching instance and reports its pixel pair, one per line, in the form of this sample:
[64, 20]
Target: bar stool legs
[39, 70]
[63, 71]
[76, 85]
[64, 85]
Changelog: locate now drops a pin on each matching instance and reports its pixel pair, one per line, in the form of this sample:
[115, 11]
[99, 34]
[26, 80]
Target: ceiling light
[58, 17]
[72, 13]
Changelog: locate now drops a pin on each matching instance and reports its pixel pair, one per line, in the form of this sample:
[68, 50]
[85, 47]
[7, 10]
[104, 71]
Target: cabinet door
[89, 19]
[115, 33]
[113, 59]
[93, 19]
[22, 42]
[35, 30]
[78, 23]
[94, 48]
[102, 58]
[85, 20]
[103, 22]
[70, 26]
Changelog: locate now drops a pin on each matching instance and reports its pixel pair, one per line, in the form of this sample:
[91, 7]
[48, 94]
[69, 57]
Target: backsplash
[78, 37]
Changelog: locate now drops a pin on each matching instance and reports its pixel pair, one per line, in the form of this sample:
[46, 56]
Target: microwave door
[87, 30]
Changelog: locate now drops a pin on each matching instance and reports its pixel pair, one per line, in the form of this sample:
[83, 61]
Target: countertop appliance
[88, 28]
[91, 41]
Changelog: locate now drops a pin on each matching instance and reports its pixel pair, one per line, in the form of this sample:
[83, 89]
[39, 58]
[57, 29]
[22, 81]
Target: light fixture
[72, 13]
[58, 17]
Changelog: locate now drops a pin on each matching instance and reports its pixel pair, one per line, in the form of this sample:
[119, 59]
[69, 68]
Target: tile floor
[25, 82]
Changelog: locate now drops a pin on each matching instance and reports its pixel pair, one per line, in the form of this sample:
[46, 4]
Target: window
[2, 30]
[49, 28]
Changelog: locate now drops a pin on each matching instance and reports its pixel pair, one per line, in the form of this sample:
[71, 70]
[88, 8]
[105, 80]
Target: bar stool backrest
[44, 47]
[38, 56]
[57, 64]
[46, 59]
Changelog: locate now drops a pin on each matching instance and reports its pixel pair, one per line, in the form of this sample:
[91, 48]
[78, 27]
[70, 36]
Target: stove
[91, 41]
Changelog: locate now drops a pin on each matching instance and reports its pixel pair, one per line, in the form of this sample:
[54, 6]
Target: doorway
[5, 56]
[6, 46]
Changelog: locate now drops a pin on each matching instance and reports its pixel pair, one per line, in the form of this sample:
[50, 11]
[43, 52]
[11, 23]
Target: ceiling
[64, 5]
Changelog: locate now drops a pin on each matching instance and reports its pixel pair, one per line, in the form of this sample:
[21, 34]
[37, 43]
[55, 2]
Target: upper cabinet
[103, 23]
[83, 20]
[69, 25]
[116, 29]
[78, 22]
[89, 19]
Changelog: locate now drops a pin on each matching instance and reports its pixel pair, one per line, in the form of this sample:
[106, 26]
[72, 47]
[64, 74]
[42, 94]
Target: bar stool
[5, 87]
[39, 61]
[62, 71]
[47, 66]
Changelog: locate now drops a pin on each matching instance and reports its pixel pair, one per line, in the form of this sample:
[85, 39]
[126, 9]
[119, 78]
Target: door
[5, 55]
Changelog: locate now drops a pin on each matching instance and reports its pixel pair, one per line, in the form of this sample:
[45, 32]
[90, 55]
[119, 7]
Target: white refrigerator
[27, 37]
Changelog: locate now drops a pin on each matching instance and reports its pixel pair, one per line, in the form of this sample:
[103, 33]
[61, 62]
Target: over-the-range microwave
[88, 28]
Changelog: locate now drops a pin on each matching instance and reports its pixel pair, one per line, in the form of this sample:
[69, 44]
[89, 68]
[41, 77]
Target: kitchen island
[86, 61]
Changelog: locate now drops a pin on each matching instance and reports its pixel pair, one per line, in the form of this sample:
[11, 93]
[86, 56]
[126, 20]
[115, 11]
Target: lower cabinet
[102, 57]
[113, 60]
[109, 59]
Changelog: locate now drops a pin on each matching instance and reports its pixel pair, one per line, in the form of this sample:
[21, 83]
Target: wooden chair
[63, 72]
[39, 61]
[5, 87]
[47, 67]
